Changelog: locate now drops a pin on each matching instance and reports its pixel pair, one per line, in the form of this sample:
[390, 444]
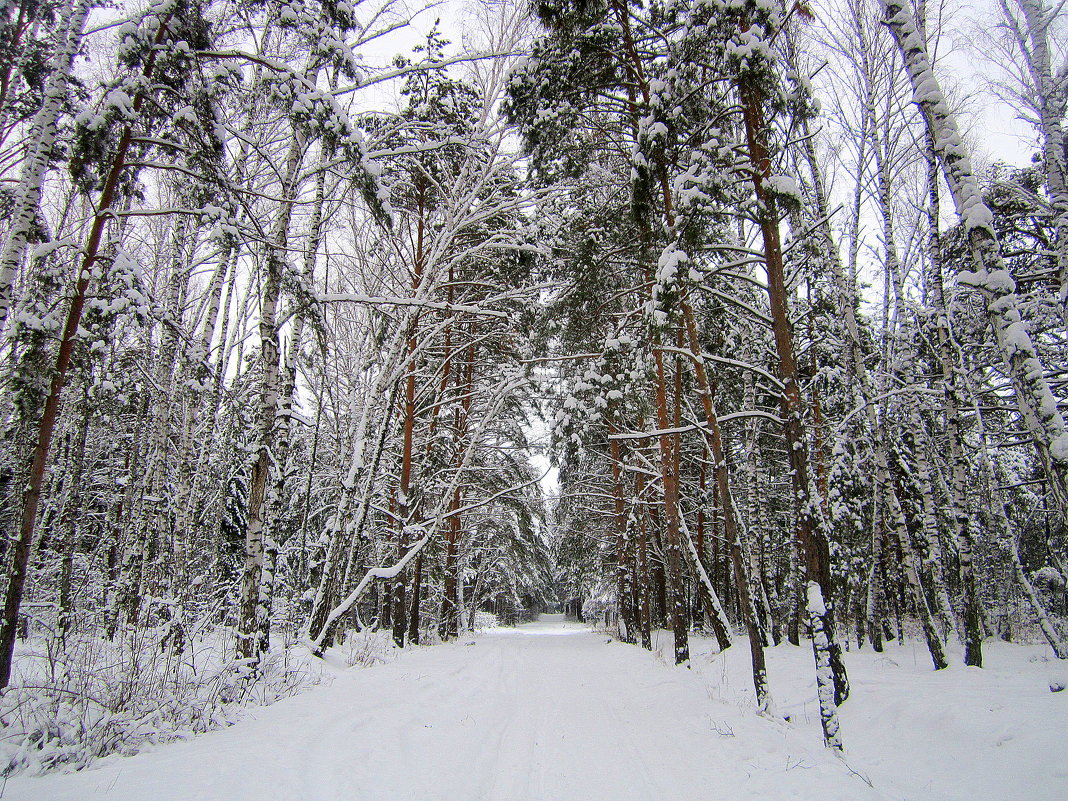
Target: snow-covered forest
[324, 325]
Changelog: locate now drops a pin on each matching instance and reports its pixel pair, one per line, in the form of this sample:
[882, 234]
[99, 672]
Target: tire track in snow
[513, 775]
[376, 729]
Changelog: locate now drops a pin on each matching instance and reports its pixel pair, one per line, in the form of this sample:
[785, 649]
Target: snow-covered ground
[995, 733]
[551, 711]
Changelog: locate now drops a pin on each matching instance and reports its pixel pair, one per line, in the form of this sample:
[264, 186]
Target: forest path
[548, 711]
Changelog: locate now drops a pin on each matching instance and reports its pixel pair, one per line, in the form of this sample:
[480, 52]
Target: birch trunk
[40, 143]
[318, 644]
[883, 479]
[284, 437]
[1035, 402]
[1050, 104]
[1008, 542]
[861, 383]
[251, 609]
[953, 392]
[355, 487]
[159, 524]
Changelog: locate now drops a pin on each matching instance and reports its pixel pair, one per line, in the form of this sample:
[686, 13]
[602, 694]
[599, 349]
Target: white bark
[1035, 401]
[252, 609]
[40, 142]
[1048, 100]
[821, 649]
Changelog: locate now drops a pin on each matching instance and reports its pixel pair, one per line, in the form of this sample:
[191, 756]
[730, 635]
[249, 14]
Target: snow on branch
[731, 362]
[424, 66]
[359, 297]
[486, 502]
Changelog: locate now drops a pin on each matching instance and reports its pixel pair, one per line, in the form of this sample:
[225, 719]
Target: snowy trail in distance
[545, 712]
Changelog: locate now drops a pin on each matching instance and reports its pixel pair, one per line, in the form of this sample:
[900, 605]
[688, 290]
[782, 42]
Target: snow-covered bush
[600, 611]
[485, 620]
[93, 697]
[368, 647]
[1049, 579]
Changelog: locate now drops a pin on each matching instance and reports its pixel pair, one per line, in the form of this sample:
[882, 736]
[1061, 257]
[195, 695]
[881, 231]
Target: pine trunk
[830, 671]
[743, 582]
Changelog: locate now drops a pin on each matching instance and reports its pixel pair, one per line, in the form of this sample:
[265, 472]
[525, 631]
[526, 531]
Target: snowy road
[545, 712]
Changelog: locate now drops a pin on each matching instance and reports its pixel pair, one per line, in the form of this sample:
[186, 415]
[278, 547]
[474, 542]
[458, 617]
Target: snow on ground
[995, 733]
[552, 711]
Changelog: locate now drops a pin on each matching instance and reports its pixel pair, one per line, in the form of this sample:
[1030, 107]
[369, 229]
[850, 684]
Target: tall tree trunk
[623, 572]
[284, 437]
[731, 524]
[25, 26]
[71, 514]
[1051, 103]
[668, 443]
[493, 408]
[644, 580]
[404, 504]
[451, 606]
[903, 356]
[1007, 540]
[673, 532]
[953, 393]
[417, 586]
[363, 465]
[405, 507]
[861, 383]
[831, 678]
[875, 602]
[159, 528]
[251, 608]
